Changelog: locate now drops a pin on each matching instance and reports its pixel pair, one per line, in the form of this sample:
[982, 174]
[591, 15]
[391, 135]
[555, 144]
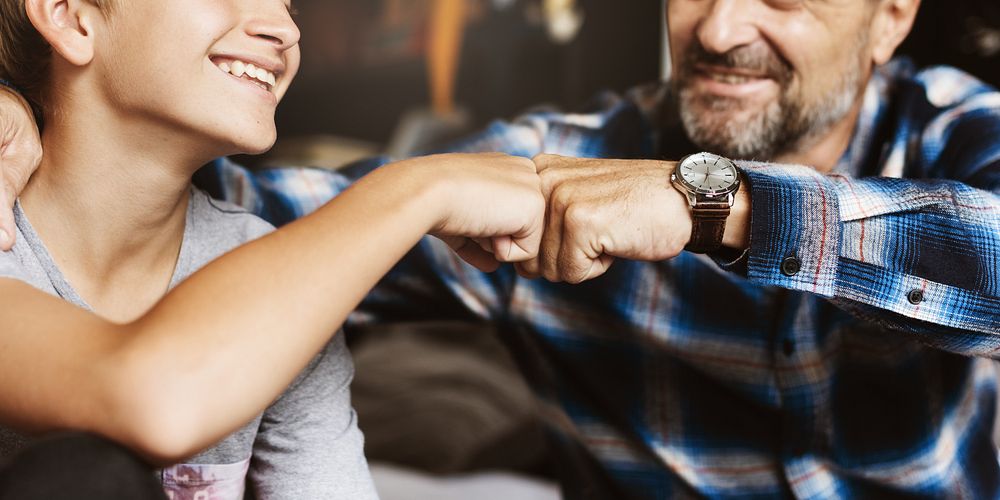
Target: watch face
[709, 174]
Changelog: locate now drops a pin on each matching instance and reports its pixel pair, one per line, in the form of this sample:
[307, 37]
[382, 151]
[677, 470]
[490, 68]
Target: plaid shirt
[845, 354]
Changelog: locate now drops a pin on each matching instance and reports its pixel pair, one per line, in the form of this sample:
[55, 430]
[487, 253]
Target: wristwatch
[710, 183]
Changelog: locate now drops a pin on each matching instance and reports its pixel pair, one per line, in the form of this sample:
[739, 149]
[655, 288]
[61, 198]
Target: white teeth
[731, 78]
[240, 68]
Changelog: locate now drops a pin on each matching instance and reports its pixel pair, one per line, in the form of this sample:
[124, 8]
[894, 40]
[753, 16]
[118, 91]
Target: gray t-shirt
[305, 445]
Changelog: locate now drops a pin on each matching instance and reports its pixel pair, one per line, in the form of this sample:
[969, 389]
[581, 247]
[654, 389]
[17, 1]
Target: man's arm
[919, 256]
[20, 155]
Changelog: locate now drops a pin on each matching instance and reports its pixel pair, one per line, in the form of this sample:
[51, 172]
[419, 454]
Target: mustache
[757, 58]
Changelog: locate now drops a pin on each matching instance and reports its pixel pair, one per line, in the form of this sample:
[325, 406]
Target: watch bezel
[677, 178]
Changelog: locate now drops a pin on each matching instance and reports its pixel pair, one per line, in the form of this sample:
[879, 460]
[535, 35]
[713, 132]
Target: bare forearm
[247, 334]
[222, 345]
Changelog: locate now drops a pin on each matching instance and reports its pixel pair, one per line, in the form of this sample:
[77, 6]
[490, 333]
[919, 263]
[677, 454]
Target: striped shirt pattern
[846, 353]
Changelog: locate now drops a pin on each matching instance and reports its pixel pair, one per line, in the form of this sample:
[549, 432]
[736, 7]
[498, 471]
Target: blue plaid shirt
[845, 354]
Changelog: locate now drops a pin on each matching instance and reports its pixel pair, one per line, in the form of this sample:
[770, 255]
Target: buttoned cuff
[795, 228]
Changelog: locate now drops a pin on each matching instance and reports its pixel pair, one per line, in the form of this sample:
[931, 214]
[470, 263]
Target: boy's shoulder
[223, 223]
[213, 228]
[28, 260]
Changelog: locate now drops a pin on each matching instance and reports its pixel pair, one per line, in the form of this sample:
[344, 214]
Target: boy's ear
[67, 25]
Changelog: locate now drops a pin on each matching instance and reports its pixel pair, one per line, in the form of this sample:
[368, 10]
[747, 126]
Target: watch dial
[708, 173]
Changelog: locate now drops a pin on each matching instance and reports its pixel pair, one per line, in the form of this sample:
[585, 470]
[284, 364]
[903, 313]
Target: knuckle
[578, 217]
[574, 272]
[35, 155]
[543, 157]
[551, 276]
[525, 163]
[544, 161]
[524, 272]
[561, 198]
[529, 267]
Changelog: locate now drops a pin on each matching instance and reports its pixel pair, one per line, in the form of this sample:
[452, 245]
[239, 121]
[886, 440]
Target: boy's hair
[25, 56]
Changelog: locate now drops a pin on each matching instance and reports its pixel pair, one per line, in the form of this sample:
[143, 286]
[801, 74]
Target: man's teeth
[731, 78]
[240, 69]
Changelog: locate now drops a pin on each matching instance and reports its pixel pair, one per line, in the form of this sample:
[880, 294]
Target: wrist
[737, 233]
[425, 190]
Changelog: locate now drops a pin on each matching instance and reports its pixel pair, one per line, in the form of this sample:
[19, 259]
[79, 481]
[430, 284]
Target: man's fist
[602, 209]
[20, 154]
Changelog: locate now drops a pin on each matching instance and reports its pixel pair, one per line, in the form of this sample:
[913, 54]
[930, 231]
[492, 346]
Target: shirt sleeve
[10, 267]
[308, 444]
[919, 256]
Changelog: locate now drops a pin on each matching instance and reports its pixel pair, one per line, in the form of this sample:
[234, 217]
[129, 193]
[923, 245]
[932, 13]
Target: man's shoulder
[609, 125]
[933, 122]
[943, 87]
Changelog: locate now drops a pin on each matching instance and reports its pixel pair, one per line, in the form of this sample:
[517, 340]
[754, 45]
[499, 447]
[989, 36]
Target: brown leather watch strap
[709, 224]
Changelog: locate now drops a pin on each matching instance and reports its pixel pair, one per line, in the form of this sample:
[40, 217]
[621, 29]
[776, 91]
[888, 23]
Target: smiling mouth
[730, 77]
[248, 72]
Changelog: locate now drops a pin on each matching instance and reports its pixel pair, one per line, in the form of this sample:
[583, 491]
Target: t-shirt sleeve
[309, 444]
[11, 265]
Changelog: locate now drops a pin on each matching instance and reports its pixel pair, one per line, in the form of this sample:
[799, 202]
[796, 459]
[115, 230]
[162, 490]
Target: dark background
[360, 72]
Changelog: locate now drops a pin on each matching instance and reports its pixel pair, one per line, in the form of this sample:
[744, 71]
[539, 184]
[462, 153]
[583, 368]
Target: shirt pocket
[205, 481]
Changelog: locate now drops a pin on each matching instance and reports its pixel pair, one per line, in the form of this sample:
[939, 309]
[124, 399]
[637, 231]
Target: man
[830, 341]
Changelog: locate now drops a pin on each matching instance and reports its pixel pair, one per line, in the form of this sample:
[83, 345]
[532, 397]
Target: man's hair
[25, 56]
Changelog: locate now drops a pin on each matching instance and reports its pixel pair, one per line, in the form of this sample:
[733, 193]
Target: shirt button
[788, 347]
[791, 266]
[915, 296]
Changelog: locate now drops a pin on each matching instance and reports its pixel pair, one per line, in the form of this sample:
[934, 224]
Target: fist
[20, 155]
[597, 210]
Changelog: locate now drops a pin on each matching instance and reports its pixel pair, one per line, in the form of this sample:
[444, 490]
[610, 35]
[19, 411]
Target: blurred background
[445, 412]
[372, 68]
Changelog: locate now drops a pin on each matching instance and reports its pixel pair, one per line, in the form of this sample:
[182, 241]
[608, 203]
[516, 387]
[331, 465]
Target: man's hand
[20, 154]
[602, 209]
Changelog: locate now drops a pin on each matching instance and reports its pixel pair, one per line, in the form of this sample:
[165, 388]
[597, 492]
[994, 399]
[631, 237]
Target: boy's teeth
[239, 69]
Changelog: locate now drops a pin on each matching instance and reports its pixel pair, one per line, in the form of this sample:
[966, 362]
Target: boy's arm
[250, 309]
[430, 282]
[308, 444]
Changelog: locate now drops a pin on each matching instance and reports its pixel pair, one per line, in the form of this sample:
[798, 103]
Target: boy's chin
[255, 145]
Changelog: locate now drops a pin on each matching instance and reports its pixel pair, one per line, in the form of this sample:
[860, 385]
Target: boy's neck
[110, 202]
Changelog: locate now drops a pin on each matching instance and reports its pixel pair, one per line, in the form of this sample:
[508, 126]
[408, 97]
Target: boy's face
[176, 63]
[758, 78]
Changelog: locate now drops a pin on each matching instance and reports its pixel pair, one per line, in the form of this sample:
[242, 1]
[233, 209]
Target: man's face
[764, 78]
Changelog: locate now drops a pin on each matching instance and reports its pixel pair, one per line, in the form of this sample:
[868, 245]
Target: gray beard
[784, 126]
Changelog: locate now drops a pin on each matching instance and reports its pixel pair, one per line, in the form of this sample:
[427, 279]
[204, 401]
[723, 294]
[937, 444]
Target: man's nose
[271, 21]
[727, 24]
